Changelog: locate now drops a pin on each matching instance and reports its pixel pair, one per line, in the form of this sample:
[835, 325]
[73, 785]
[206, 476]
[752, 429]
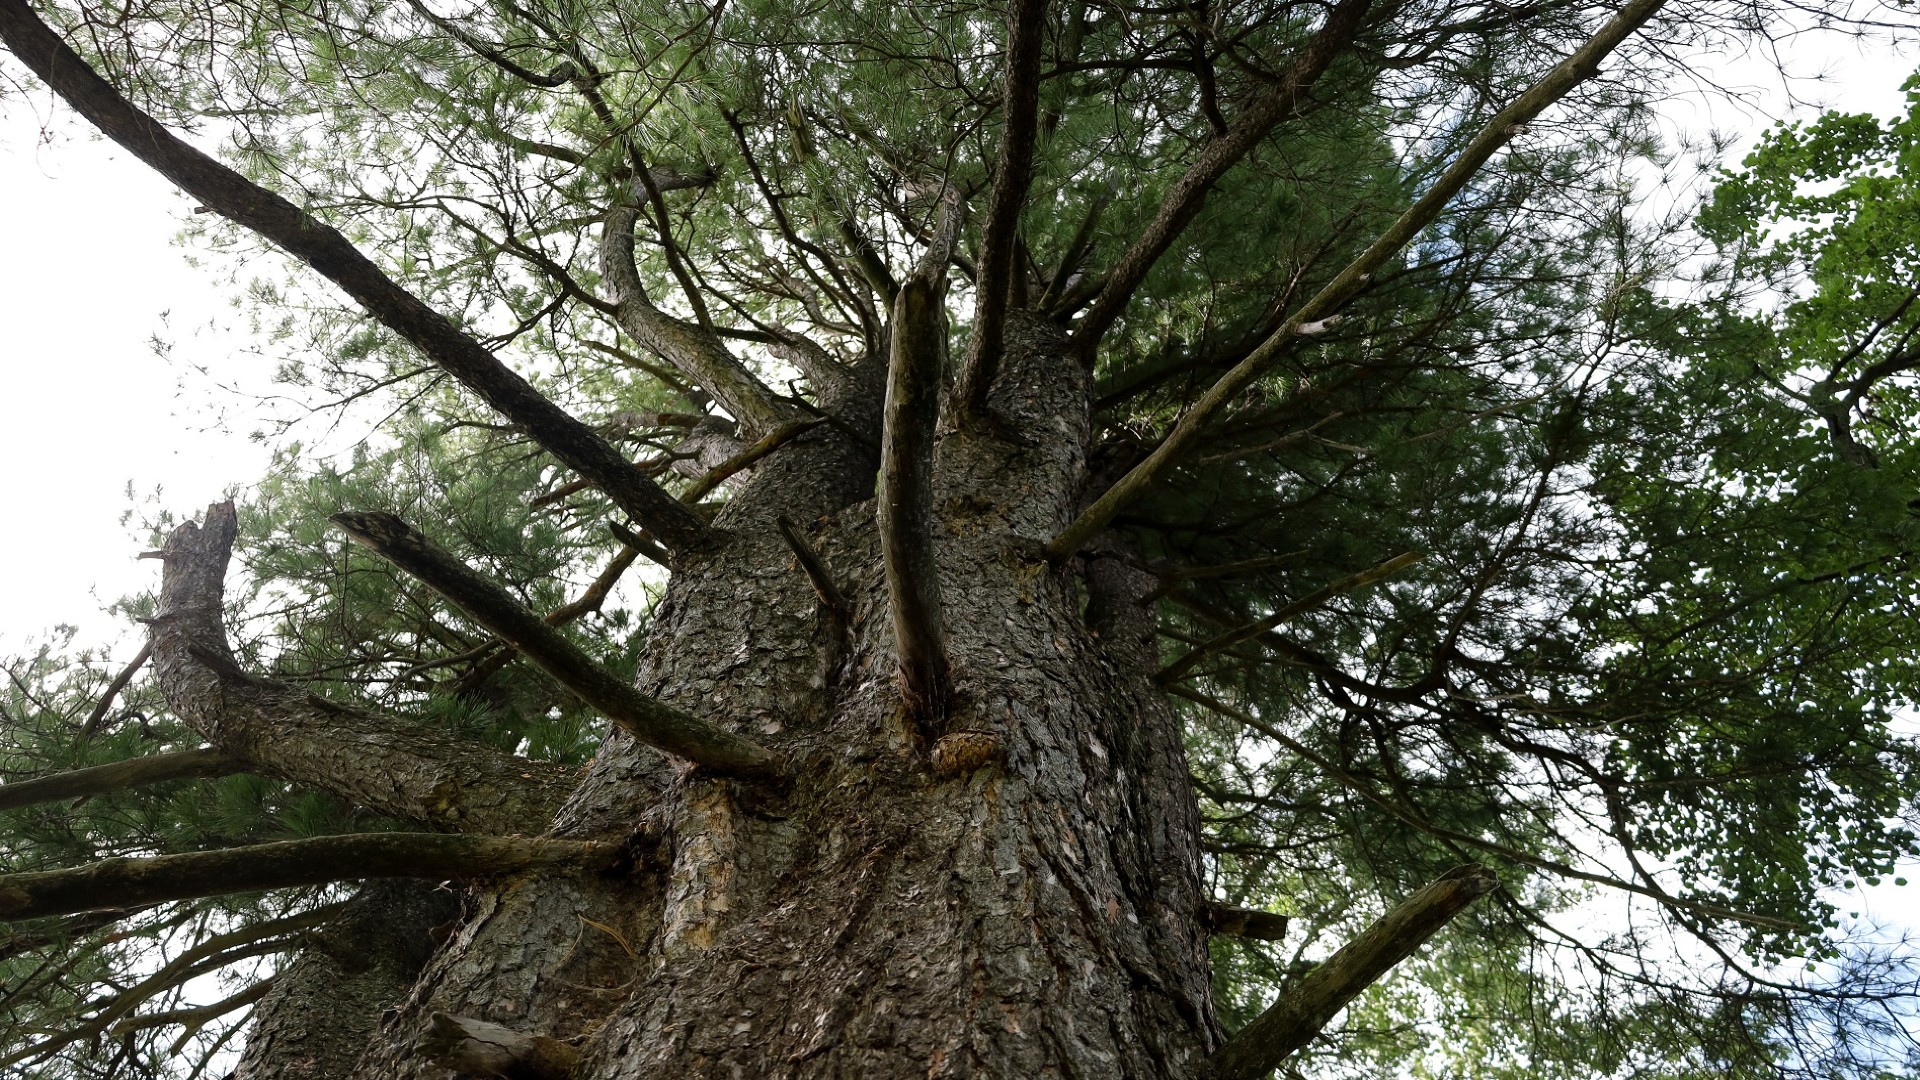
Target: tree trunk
[1031, 908]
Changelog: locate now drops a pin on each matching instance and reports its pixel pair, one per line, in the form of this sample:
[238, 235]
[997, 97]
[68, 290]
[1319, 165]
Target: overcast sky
[91, 278]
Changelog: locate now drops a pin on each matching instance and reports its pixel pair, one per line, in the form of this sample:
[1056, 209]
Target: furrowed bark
[118, 776]
[477, 1048]
[1311, 602]
[1182, 204]
[1020, 106]
[379, 762]
[319, 861]
[322, 247]
[652, 722]
[1302, 1011]
[1569, 73]
[691, 349]
[328, 1001]
[906, 500]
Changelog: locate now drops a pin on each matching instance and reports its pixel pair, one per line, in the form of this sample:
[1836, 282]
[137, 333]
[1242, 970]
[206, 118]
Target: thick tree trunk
[1030, 909]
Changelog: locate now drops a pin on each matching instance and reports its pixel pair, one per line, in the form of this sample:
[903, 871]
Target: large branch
[1569, 73]
[318, 861]
[118, 776]
[322, 247]
[1019, 109]
[1302, 1011]
[693, 350]
[379, 762]
[1272, 108]
[905, 496]
[652, 722]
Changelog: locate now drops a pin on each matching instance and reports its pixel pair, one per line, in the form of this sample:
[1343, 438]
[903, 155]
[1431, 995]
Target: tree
[1121, 470]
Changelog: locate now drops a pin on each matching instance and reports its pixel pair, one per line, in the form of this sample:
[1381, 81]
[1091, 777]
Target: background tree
[1128, 475]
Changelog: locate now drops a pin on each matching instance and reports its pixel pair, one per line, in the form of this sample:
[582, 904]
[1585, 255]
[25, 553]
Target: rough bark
[327, 1004]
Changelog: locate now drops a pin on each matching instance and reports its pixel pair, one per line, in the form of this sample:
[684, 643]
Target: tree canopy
[1483, 518]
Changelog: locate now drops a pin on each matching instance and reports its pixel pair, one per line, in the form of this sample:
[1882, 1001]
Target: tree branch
[99, 714]
[905, 499]
[1019, 111]
[767, 444]
[652, 722]
[322, 247]
[380, 762]
[1311, 602]
[118, 776]
[1302, 1011]
[693, 350]
[318, 861]
[1569, 73]
[1272, 108]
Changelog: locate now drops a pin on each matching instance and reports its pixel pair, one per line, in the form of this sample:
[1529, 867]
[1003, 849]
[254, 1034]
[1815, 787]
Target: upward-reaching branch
[905, 498]
[1569, 73]
[1272, 108]
[322, 247]
[691, 349]
[1019, 113]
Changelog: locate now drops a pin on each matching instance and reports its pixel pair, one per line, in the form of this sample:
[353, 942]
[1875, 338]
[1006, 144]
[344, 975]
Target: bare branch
[322, 247]
[652, 722]
[693, 350]
[118, 776]
[318, 861]
[379, 762]
[107, 697]
[1569, 73]
[906, 488]
[1019, 112]
[1303, 1010]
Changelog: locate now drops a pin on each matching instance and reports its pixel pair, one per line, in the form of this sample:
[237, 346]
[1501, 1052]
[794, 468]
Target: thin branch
[652, 722]
[1288, 1025]
[1274, 107]
[318, 861]
[1569, 73]
[195, 1017]
[1019, 110]
[322, 247]
[1311, 602]
[112, 692]
[767, 444]
[118, 776]
[496, 654]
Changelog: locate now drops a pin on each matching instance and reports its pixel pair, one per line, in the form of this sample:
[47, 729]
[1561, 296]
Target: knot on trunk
[958, 753]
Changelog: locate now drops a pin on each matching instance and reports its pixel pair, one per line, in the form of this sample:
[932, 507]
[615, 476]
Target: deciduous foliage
[1152, 512]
